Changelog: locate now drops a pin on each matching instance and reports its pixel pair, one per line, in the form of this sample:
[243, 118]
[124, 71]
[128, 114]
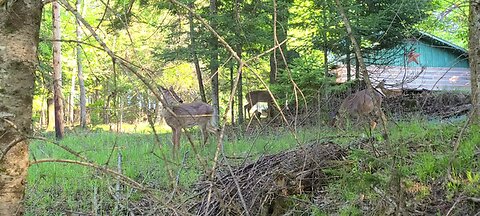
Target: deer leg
[204, 131]
[247, 110]
[176, 133]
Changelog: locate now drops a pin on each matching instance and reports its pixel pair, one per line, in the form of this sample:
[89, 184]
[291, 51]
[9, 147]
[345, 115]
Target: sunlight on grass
[68, 186]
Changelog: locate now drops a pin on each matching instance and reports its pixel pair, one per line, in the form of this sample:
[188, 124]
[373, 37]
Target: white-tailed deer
[388, 92]
[254, 97]
[179, 115]
[359, 105]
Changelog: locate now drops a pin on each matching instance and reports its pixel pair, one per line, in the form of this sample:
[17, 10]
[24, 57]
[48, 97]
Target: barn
[424, 62]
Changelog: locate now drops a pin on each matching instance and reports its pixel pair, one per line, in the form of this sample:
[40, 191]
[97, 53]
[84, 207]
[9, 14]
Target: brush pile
[258, 188]
[439, 104]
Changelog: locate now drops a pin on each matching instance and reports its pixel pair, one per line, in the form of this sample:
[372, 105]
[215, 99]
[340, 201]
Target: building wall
[440, 67]
[419, 78]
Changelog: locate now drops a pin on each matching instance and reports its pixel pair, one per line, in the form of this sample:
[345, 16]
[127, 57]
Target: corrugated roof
[434, 38]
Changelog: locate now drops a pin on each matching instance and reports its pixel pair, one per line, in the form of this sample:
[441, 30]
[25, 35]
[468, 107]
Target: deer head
[359, 105]
[170, 96]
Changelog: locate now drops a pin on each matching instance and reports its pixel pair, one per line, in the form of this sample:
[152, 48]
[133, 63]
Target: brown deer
[359, 105]
[179, 115]
[254, 97]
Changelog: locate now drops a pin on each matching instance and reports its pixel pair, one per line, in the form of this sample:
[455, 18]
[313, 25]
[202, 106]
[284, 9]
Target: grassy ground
[424, 148]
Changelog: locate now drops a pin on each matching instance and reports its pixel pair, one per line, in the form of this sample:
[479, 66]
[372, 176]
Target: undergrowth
[423, 150]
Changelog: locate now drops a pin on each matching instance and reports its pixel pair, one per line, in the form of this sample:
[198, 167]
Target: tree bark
[357, 68]
[278, 58]
[51, 115]
[57, 72]
[19, 36]
[474, 57]
[71, 102]
[214, 64]
[348, 60]
[232, 107]
[239, 49]
[193, 46]
[81, 83]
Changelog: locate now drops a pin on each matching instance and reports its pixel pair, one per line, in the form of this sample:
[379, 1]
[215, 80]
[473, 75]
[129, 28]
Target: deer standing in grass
[256, 96]
[179, 115]
[359, 105]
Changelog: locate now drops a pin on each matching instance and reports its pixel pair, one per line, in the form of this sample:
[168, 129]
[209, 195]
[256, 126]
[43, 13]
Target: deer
[254, 97]
[388, 92]
[179, 115]
[357, 106]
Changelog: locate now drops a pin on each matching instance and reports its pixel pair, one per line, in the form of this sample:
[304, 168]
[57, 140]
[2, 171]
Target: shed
[424, 62]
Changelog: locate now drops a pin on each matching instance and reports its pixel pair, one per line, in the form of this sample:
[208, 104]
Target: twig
[69, 150]
[459, 199]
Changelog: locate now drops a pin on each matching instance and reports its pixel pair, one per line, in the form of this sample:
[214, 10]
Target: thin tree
[71, 102]
[193, 52]
[81, 83]
[57, 71]
[19, 37]
[214, 63]
[280, 30]
[238, 50]
[474, 57]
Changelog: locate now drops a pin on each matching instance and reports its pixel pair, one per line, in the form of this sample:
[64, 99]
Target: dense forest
[242, 107]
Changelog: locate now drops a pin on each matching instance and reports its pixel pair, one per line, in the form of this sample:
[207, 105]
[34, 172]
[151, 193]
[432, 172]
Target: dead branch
[270, 177]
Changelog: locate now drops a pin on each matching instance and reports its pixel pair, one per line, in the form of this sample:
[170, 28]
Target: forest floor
[417, 171]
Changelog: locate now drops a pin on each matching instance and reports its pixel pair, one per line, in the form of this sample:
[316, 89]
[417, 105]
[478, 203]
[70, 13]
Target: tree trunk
[347, 61]
[239, 49]
[474, 57]
[214, 64]
[280, 29]
[232, 107]
[57, 72]
[19, 36]
[51, 115]
[357, 68]
[273, 68]
[71, 103]
[43, 111]
[81, 83]
[193, 46]
[325, 59]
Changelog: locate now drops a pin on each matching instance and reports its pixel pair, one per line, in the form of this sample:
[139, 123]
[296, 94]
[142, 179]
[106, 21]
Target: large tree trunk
[194, 54]
[81, 83]
[57, 72]
[19, 33]
[214, 64]
[474, 57]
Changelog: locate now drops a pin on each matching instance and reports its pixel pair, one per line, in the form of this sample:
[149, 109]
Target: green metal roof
[442, 42]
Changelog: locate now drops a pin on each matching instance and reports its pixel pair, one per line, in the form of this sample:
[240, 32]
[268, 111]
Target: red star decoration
[412, 57]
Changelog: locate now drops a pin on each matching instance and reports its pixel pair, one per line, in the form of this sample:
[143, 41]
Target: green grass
[423, 146]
